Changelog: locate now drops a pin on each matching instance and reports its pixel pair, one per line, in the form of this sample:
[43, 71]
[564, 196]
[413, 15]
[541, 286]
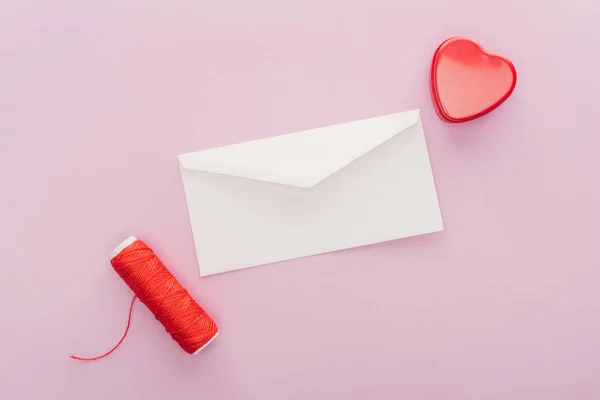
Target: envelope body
[310, 192]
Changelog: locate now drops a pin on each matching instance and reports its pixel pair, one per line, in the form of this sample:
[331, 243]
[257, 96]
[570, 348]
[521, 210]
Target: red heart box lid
[467, 81]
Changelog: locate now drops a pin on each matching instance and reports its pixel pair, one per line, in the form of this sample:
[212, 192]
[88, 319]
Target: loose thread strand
[74, 357]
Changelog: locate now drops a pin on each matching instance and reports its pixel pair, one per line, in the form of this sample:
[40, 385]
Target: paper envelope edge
[195, 160]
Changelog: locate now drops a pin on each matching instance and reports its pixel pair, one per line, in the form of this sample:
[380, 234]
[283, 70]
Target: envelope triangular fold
[301, 159]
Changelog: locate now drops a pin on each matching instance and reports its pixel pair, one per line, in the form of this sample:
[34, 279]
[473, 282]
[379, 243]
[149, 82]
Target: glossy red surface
[467, 81]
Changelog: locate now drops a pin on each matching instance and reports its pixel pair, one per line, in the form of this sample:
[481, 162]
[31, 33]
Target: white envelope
[310, 192]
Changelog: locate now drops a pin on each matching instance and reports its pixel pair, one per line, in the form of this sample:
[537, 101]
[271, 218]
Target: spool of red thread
[141, 269]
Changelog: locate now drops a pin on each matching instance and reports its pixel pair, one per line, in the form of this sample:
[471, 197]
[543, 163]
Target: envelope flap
[301, 159]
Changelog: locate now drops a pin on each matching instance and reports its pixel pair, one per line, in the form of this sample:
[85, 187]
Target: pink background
[97, 98]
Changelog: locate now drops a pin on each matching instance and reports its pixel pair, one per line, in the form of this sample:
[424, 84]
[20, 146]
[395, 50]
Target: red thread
[186, 322]
[116, 345]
